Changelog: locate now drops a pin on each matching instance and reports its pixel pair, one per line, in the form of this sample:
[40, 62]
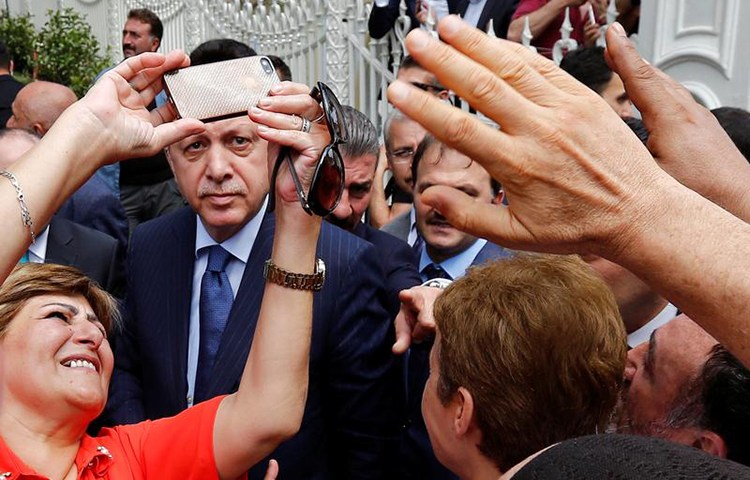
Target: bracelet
[25, 215]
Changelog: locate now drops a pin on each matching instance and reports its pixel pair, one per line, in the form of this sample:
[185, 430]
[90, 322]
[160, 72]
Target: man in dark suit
[9, 86]
[479, 13]
[360, 154]
[446, 253]
[350, 421]
[383, 17]
[96, 254]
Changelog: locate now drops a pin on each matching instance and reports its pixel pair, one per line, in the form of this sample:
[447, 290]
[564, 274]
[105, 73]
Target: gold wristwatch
[298, 281]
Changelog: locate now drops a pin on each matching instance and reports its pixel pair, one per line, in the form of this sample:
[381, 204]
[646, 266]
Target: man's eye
[240, 141]
[194, 146]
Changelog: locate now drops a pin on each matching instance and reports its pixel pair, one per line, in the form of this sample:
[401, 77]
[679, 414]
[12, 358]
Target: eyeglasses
[328, 179]
[400, 156]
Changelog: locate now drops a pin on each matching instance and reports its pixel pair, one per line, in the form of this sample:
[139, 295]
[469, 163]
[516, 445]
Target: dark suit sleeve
[402, 273]
[125, 403]
[363, 380]
[382, 19]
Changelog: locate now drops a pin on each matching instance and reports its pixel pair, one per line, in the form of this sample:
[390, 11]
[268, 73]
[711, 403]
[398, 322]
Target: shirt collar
[644, 333]
[240, 244]
[91, 455]
[38, 249]
[457, 265]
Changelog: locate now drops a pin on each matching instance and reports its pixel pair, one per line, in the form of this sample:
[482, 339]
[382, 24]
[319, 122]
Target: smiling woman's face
[55, 354]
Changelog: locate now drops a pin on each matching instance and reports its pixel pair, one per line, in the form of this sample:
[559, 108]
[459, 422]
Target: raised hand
[115, 108]
[572, 171]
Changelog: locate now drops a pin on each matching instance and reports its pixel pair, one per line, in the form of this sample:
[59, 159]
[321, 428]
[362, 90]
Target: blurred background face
[137, 38]
[614, 94]
[405, 136]
[359, 174]
[446, 167]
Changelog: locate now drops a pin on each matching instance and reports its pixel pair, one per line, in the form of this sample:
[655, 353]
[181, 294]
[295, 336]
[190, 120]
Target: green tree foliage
[19, 36]
[64, 51]
[67, 51]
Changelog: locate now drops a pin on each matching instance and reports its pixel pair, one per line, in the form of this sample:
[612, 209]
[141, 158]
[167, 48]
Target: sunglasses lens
[328, 183]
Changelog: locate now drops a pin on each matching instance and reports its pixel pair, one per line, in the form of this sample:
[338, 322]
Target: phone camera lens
[266, 64]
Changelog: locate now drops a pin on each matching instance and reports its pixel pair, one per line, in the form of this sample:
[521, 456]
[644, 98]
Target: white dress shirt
[239, 245]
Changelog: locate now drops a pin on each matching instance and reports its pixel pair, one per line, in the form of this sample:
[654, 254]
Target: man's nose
[218, 167]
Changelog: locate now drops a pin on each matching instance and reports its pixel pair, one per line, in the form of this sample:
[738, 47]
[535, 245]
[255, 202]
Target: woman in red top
[55, 358]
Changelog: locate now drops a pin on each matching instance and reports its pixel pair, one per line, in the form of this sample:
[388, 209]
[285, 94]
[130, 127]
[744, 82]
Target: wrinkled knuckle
[460, 128]
[483, 89]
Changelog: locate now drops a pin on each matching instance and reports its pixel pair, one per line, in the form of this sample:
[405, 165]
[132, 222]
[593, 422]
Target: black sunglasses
[328, 179]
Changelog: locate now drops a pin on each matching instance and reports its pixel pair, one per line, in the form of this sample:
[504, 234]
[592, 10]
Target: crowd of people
[559, 297]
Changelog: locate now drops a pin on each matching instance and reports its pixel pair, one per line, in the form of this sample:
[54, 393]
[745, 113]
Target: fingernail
[398, 91]
[617, 28]
[263, 129]
[450, 24]
[256, 111]
[418, 39]
[276, 88]
[265, 102]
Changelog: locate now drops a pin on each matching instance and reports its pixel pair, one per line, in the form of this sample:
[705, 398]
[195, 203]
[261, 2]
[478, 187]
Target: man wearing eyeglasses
[392, 204]
[350, 420]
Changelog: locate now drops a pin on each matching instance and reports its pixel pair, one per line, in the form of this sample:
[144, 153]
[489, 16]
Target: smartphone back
[215, 91]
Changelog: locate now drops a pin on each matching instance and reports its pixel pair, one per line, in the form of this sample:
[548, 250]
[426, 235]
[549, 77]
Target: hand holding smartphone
[220, 90]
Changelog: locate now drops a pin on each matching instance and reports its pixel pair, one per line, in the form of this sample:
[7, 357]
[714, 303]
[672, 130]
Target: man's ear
[155, 44]
[464, 412]
[11, 66]
[169, 158]
[712, 443]
[39, 129]
[499, 197]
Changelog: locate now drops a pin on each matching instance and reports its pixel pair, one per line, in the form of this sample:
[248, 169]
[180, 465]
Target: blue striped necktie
[215, 304]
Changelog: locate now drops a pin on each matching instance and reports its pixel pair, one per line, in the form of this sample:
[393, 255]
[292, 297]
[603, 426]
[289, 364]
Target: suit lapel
[177, 278]
[235, 341]
[490, 252]
[60, 244]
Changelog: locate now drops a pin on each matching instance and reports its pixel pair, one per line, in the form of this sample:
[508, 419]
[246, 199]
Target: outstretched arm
[110, 123]
[576, 179]
[270, 402]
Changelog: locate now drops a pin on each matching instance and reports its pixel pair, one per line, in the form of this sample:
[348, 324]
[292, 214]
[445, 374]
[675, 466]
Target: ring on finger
[306, 125]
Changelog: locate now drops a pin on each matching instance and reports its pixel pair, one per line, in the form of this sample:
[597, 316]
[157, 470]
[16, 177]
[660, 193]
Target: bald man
[35, 109]
[38, 104]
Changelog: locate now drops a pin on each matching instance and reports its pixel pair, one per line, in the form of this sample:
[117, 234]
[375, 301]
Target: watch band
[297, 281]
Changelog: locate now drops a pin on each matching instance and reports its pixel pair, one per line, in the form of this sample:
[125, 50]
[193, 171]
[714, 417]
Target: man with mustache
[197, 278]
[360, 155]
[443, 247]
[444, 252]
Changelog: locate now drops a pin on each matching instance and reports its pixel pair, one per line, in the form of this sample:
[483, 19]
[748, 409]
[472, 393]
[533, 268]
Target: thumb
[484, 220]
[646, 85]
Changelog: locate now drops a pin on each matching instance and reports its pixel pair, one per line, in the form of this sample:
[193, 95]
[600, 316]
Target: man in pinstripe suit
[350, 423]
